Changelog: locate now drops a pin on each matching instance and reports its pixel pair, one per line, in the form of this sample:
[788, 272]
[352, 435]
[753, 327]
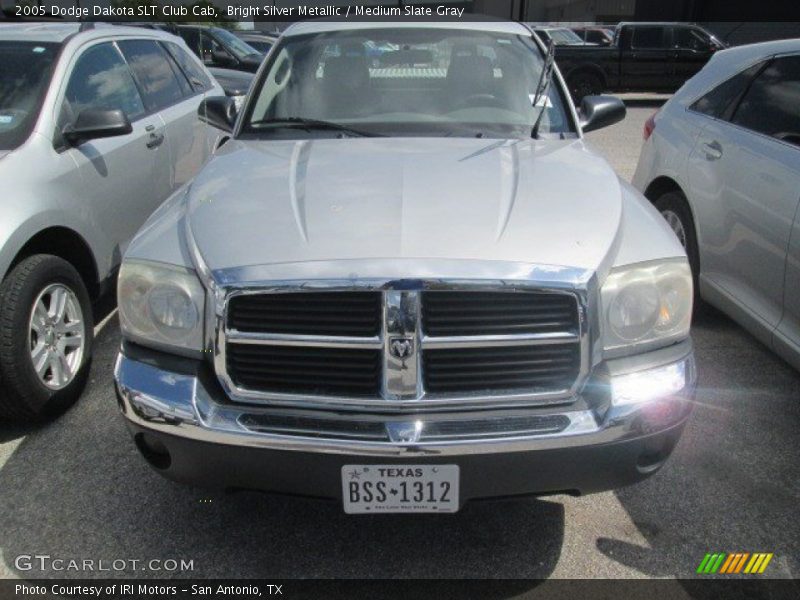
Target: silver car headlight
[646, 305]
[161, 306]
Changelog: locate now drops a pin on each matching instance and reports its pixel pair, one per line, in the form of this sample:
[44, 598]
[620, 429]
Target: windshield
[239, 47]
[407, 82]
[262, 47]
[25, 69]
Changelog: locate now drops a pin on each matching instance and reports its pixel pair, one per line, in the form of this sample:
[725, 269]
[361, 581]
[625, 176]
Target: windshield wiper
[309, 124]
[543, 86]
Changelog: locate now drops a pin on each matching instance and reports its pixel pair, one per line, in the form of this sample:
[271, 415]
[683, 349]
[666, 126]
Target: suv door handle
[713, 150]
[155, 139]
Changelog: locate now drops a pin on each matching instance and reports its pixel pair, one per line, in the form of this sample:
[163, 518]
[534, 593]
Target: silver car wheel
[675, 223]
[56, 336]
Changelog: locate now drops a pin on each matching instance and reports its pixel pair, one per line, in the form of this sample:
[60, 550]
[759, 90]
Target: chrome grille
[436, 430]
[395, 349]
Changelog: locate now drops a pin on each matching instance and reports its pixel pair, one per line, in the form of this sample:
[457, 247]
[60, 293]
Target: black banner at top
[277, 11]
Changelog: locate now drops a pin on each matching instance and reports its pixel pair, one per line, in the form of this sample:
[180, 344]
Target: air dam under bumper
[619, 431]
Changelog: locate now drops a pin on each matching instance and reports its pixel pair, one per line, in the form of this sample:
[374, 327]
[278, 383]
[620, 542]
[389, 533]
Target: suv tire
[46, 335]
[675, 210]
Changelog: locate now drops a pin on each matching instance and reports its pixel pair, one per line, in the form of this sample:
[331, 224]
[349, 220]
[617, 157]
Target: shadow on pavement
[77, 488]
[733, 483]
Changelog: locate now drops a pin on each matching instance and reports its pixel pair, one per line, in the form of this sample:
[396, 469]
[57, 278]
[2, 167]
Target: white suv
[98, 126]
[721, 161]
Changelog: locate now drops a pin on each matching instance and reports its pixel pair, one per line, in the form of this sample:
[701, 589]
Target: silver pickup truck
[406, 282]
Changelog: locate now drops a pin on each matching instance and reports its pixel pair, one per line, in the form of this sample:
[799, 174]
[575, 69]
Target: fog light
[652, 384]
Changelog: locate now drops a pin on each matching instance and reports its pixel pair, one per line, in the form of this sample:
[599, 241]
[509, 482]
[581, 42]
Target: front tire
[675, 210]
[46, 335]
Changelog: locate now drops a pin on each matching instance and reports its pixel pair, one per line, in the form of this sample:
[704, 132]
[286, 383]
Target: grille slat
[304, 370]
[504, 373]
[492, 313]
[501, 369]
[355, 314]
[457, 369]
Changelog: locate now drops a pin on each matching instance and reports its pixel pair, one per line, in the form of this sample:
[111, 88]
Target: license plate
[400, 488]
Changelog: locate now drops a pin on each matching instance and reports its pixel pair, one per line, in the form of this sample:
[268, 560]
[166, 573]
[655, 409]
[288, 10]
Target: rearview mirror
[94, 123]
[597, 112]
[219, 112]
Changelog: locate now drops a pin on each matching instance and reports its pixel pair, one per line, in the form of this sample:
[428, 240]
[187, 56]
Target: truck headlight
[161, 306]
[646, 306]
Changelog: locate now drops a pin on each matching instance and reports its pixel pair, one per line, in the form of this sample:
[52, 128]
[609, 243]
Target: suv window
[24, 80]
[154, 72]
[102, 80]
[770, 104]
[718, 101]
[197, 77]
[648, 37]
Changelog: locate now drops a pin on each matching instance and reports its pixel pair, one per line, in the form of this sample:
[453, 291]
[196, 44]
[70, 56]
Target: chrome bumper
[624, 399]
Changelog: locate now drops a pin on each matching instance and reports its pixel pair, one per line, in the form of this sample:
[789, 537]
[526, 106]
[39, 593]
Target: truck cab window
[648, 38]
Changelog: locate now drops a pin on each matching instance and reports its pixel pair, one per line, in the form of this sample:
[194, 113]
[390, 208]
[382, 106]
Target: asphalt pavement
[77, 489]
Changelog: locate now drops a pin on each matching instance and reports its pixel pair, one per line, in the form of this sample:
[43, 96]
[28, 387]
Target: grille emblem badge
[404, 433]
[401, 348]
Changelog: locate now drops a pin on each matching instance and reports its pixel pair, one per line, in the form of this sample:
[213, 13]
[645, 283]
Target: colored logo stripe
[738, 562]
[711, 563]
[758, 563]
[724, 563]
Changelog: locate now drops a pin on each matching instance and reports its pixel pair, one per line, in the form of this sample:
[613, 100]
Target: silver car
[407, 285]
[98, 126]
[721, 161]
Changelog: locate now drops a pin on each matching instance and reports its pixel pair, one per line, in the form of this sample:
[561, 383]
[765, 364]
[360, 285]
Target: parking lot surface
[77, 489]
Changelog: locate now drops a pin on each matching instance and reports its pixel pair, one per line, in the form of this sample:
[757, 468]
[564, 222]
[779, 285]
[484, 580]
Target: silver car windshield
[239, 47]
[25, 69]
[405, 81]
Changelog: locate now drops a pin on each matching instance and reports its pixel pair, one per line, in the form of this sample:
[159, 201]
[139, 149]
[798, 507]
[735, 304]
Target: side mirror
[94, 123]
[597, 112]
[219, 112]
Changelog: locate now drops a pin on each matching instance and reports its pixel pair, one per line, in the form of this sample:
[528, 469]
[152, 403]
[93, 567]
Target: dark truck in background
[645, 57]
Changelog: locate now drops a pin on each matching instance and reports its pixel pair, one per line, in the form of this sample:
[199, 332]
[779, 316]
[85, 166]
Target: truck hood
[546, 202]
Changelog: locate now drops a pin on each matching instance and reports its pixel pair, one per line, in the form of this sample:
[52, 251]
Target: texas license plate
[400, 488]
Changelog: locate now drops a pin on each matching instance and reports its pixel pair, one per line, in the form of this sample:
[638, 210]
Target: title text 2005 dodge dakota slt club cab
[407, 286]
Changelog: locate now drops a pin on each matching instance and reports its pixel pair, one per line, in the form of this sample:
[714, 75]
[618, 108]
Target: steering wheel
[476, 100]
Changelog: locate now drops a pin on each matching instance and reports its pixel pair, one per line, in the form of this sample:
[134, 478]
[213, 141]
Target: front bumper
[189, 431]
